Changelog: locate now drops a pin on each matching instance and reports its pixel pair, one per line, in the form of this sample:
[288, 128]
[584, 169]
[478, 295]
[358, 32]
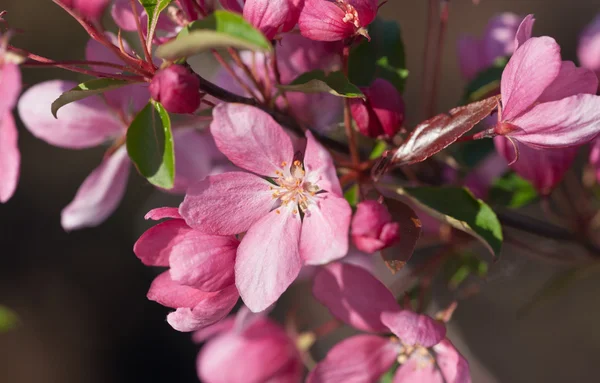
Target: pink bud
[90, 9]
[382, 113]
[372, 227]
[177, 88]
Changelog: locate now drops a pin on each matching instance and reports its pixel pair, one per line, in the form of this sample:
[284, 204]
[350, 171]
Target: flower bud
[90, 9]
[177, 88]
[372, 227]
[382, 113]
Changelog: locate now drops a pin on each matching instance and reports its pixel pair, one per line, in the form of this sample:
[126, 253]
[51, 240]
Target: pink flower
[90, 9]
[177, 88]
[595, 157]
[382, 113]
[249, 348]
[357, 298]
[10, 158]
[269, 16]
[372, 227]
[298, 217]
[124, 17]
[547, 102]
[476, 54]
[200, 282]
[588, 50]
[333, 20]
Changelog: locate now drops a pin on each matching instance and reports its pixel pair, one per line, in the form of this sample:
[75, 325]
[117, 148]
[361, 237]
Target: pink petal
[544, 168]
[588, 50]
[10, 158]
[268, 259]
[415, 370]
[251, 139]
[296, 55]
[325, 227]
[525, 31]
[162, 213]
[323, 21]
[569, 82]
[568, 122]
[482, 177]
[292, 15]
[361, 358]
[413, 328]
[81, 124]
[203, 261]
[232, 5]
[499, 39]
[595, 157]
[452, 364]
[10, 86]
[123, 16]
[354, 296]
[319, 166]
[193, 157]
[268, 16]
[260, 353]
[320, 111]
[100, 193]
[367, 10]
[532, 68]
[195, 309]
[469, 56]
[228, 203]
[211, 331]
[155, 246]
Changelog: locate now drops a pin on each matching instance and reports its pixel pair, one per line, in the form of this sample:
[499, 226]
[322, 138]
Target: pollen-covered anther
[351, 15]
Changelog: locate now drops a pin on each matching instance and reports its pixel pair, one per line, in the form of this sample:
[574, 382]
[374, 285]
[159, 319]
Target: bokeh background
[80, 296]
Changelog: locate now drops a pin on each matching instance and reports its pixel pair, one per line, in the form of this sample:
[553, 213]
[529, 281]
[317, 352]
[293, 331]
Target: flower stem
[140, 32]
[443, 26]
[348, 116]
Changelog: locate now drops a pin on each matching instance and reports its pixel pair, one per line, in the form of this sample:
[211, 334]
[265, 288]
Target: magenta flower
[249, 348]
[199, 284]
[296, 217]
[177, 88]
[125, 19]
[10, 158]
[334, 20]
[382, 113]
[476, 54]
[90, 9]
[269, 16]
[357, 298]
[373, 228]
[588, 50]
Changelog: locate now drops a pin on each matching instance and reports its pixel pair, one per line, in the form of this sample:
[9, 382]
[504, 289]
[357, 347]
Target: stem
[348, 116]
[138, 26]
[232, 73]
[237, 59]
[428, 37]
[438, 57]
[35, 63]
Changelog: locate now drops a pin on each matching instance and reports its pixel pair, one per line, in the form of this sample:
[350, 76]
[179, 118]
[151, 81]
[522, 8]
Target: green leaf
[461, 210]
[221, 29]
[380, 147]
[382, 57]
[512, 191]
[150, 145]
[486, 83]
[388, 377]
[86, 89]
[153, 9]
[352, 195]
[8, 319]
[318, 82]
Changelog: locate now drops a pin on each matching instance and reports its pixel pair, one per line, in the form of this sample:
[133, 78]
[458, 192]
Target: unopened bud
[372, 227]
[177, 88]
[382, 113]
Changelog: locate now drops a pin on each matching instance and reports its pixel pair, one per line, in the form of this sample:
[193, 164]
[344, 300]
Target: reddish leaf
[396, 256]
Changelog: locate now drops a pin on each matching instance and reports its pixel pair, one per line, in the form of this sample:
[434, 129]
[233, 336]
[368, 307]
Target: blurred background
[80, 296]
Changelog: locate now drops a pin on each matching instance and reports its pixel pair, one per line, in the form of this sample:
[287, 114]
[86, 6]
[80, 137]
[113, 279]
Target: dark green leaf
[399, 254]
[461, 210]
[153, 9]
[219, 30]
[86, 89]
[382, 57]
[319, 82]
[471, 153]
[8, 319]
[486, 83]
[512, 191]
[150, 145]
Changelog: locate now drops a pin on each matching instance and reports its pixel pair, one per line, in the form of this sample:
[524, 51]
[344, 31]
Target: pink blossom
[476, 54]
[269, 16]
[90, 9]
[487, 171]
[177, 88]
[357, 298]
[251, 348]
[382, 113]
[298, 218]
[199, 284]
[329, 20]
[124, 17]
[588, 50]
[595, 157]
[10, 158]
[373, 228]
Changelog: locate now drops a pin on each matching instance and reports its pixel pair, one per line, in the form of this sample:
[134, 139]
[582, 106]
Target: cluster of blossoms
[274, 183]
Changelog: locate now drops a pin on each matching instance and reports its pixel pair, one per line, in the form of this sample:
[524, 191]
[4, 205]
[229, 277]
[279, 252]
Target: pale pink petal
[260, 353]
[595, 157]
[320, 111]
[10, 158]
[469, 56]
[193, 157]
[588, 50]
[413, 328]
[416, 370]
[211, 331]
[568, 122]
[162, 213]
[525, 31]
[354, 296]
[325, 229]
[203, 261]
[499, 38]
[268, 259]
[228, 203]
[232, 5]
[154, 247]
[454, 367]
[123, 15]
[359, 359]
[532, 68]
[569, 82]
[268, 16]
[323, 21]
[96, 51]
[296, 55]
[251, 139]
[100, 193]
[10, 86]
[81, 124]
[319, 166]
[195, 309]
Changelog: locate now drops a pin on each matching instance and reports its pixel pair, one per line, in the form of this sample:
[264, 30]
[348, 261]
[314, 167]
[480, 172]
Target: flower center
[351, 15]
[292, 188]
[422, 354]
